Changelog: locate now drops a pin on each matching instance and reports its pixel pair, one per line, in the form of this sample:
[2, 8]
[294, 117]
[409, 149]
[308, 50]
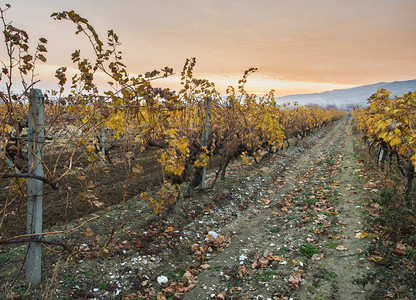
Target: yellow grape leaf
[402, 149]
[245, 160]
[395, 141]
[383, 135]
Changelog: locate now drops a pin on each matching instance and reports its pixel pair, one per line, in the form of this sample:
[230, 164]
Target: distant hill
[355, 96]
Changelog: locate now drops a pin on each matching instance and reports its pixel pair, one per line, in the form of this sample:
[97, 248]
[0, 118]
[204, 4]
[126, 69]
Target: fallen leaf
[296, 278]
[138, 244]
[205, 266]
[105, 252]
[254, 264]
[399, 252]
[400, 249]
[263, 262]
[376, 259]
[169, 229]
[317, 231]
[88, 233]
[242, 271]
[221, 295]
[318, 256]
[266, 201]
[235, 290]
[98, 204]
[333, 236]
[278, 258]
[341, 248]
[361, 235]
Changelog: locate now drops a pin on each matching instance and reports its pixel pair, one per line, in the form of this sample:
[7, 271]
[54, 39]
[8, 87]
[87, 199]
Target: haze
[299, 46]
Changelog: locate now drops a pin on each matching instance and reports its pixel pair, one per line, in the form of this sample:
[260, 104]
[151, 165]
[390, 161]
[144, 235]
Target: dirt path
[299, 240]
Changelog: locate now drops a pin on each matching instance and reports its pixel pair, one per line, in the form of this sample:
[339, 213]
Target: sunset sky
[299, 46]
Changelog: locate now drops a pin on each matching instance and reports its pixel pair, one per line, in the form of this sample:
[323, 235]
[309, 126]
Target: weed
[234, 279]
[284, 250]
[325, 213]
[334, 220]
[23, 292]
[321, 297]
[266, 275]
[309, 250]
[274, 229]
[331, 245]
[369, 277]
[330, 274]
[311, 201]
[335, 287]
[67, 280]
[176, 276]
[102, 286]
[5, 257]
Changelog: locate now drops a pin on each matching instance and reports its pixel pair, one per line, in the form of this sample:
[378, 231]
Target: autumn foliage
[189, 127]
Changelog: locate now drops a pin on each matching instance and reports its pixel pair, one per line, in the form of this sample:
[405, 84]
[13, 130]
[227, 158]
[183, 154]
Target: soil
[287, 227]
[65, 204]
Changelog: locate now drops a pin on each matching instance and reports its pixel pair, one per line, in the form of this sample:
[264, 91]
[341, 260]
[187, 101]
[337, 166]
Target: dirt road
[298, 240]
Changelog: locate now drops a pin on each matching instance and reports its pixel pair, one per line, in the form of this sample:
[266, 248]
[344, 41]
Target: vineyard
[139, 192]
[390, 126]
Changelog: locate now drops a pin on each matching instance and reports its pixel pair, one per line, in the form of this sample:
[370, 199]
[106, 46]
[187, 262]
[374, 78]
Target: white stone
[162, 279]
[213, 234]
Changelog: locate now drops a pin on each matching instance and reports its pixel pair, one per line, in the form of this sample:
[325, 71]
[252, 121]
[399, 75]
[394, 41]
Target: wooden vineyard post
[35, 186]
[205, 134]
[102, 130]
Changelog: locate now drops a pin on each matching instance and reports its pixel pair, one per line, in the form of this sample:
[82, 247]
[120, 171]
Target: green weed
[274, 229]
[331, 245]
[309, 250]
[266, 275]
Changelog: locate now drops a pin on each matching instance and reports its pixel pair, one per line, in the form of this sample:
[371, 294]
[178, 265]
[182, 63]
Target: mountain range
[357, 96]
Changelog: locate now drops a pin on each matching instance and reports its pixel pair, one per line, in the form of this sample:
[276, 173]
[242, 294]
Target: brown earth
[64, 203]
